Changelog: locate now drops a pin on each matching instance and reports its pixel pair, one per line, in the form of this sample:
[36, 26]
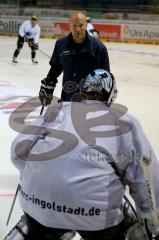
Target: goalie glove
[46, 92]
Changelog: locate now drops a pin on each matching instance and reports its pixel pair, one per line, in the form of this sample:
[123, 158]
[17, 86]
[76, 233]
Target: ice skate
[34, 61]
[15, 60]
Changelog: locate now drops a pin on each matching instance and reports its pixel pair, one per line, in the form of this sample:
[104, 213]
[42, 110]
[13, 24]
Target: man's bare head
[78, 24]
[78, 15]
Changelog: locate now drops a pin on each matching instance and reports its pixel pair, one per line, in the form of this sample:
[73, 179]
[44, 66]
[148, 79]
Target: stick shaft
[44, 53]
[146, 165]
[42, 109]
[12, 206]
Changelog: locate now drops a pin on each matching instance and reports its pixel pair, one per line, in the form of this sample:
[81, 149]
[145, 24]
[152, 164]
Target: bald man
[75, 55]
[78, 24]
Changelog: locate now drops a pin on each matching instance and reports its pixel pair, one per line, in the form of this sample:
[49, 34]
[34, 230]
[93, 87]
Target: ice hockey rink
[136, 69]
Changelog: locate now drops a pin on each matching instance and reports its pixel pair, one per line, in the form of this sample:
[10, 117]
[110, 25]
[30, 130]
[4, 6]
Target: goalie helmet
[102, 82]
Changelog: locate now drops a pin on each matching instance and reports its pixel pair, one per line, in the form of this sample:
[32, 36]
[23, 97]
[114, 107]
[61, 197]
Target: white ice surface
[136, 68]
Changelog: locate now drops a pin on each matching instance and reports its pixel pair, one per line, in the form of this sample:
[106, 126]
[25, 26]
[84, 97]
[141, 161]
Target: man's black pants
[40, 232]
[20, 43]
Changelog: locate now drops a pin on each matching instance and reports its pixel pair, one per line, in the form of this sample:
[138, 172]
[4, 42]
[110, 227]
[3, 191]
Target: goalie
[75, 163]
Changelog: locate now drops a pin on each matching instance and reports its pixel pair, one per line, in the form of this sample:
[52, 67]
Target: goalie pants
[40, 232]
[20, 44]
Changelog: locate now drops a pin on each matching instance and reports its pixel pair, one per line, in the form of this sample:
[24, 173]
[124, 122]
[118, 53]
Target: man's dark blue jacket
[76, 61]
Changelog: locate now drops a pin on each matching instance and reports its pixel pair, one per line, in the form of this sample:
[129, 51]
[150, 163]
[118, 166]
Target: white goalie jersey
[69, 159]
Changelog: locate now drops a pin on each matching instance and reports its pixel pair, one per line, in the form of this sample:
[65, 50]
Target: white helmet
[101, 82]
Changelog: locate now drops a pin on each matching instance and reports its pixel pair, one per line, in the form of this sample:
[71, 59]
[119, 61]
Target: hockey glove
[30, 43]
[35, 46]
[26, 36]
[46, 92]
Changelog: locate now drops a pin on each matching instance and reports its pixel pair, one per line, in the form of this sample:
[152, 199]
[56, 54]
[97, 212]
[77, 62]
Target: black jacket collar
[86, 44]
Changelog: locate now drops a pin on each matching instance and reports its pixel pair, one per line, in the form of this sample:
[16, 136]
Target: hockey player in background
[29, 32]
[75, 163]
[91, 30]
[90, 27]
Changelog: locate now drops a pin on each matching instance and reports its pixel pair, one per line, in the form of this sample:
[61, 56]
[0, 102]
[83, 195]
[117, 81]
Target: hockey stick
[42, 109]
[16, 193]
[44, 53]
[146, 166]
[12, 206]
